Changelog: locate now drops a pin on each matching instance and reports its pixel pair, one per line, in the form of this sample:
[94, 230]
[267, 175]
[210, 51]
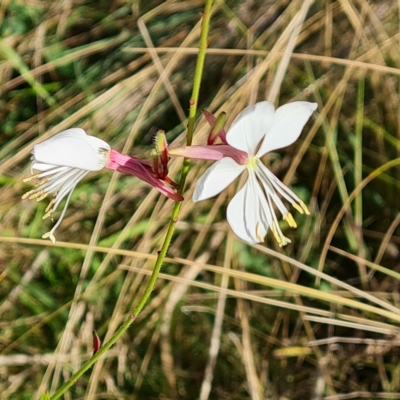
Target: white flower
[62, 161]
[257, 130]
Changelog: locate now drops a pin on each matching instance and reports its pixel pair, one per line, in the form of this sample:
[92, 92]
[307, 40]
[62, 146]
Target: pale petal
[288, 123]
[219, 176]
[250, 127]
[72, 148]
[246, 212]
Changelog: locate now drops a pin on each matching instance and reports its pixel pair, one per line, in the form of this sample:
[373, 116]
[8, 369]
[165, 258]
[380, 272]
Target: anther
[27, 194]
[290, 220]
[30, 178]
[41, 195]
[47, 215]
[304, 207]
[276, 234]
[50, 205]
[42, 181]
[298, 208]
[258, 233]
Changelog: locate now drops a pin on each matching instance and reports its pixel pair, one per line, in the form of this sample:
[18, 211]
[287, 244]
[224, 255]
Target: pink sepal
[141, 169]
[209, 117]
[213, 153]
[212, 121]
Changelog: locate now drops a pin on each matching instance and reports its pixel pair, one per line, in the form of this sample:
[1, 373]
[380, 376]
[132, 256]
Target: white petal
[246, 213]
[219, 176]
[250, 127]
[288, 123]
[72, 148]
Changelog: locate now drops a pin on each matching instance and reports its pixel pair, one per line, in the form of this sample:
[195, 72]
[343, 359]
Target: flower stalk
[174, 215]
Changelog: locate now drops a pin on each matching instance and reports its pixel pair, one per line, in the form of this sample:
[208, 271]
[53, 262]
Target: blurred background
[226, 320]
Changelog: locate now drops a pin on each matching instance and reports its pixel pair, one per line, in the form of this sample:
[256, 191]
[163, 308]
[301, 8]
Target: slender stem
[199, 71]
[174, 215]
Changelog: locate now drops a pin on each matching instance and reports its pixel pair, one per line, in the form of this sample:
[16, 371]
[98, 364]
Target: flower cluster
[66, 158]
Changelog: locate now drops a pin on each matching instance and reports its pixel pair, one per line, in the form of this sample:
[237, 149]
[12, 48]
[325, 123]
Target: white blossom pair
[257, 130]
[66, 158]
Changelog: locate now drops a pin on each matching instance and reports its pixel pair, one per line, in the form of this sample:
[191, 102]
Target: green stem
[174, 216]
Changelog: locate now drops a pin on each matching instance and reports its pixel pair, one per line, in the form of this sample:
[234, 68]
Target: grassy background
[226, 320]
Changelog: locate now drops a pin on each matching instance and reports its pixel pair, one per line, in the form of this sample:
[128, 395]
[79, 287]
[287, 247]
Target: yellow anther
[47, 215]
[36, 193]
[279, 237]
[40, 196]
[251, 162]
[27, 194]
[258, 233]
[50, 205]
[44, 180]
[290, 220]
[30, 178]
[276, 234]
[285, 241]
[298, 208]
[304, 207]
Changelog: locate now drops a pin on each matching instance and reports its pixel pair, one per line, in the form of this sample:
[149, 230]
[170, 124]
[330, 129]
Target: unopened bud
[155, 162]
[217, 129]
[96, 342]
[161, 150]
[162, 146]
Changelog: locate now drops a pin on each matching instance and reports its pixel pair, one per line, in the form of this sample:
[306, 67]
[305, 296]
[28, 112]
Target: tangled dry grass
[315, 320]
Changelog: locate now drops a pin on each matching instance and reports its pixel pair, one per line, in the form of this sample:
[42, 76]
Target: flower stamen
[41, 195]
[50, 235]
[252, 163]
[28, 195]
[29, 178]
[35, 195]
[41, 182]
[290, 220]
[49, 209]
[298, 208]
[305, 208]
[284, 191]
[258, 233]
[301, 208]
[279, 236]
